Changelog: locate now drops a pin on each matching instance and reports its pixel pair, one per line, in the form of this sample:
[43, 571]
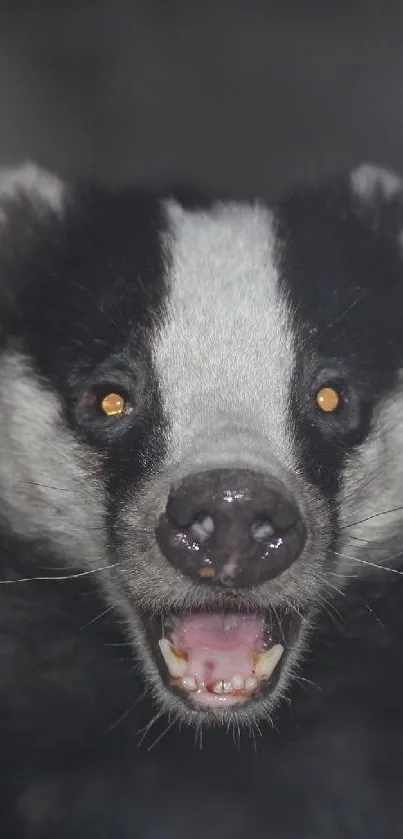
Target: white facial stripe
[371, 497]
[48, 484]
[225, 354]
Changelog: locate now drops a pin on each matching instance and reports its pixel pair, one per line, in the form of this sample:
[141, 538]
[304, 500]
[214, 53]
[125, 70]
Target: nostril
[262, 529]
[202, 527]
[180, 512]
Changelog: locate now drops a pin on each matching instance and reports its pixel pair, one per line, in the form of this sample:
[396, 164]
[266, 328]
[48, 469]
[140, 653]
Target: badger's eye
[108, 405]
[328, 399]
[113, 405]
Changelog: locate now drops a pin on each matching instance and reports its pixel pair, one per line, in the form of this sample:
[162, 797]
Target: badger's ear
[36, 189]
[379, 193]
[31, 199]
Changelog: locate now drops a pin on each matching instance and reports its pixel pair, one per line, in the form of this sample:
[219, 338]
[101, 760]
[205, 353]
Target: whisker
[127, 711]
[294, 608]
[58, 578]
[308, 682]
[144, 731]
[367, 483]
[151, 618]
[279, 625]
[391, 558]
[98, 617]
[198, 739]
[50, 486]
[252, 736]
[58, 567]
[373, 516]
[374, 615]
[334, 588]
[360, 539]
[163, 733]
[339, 321]
[256, 727]
[238, 733]
[367, 562]
[331, 610]
[106, 316]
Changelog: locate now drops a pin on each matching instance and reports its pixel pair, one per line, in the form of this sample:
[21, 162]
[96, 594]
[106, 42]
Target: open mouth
[220, 659]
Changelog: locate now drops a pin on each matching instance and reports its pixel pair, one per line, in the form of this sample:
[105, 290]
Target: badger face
[202, 408]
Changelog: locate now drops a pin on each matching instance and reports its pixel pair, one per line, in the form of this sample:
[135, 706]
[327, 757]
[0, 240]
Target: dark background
[244, 97]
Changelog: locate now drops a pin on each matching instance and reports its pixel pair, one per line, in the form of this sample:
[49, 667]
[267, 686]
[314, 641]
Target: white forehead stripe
[225, 354]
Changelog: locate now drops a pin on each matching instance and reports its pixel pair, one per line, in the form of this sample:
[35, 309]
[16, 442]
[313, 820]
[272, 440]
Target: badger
[201, 495]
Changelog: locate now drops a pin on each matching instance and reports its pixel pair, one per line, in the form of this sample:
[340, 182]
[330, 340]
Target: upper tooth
[176, 665]
[266, 662]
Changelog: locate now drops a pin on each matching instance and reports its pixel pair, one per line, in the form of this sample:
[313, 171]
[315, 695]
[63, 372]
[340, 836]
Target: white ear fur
[44, 190]
[371, 182]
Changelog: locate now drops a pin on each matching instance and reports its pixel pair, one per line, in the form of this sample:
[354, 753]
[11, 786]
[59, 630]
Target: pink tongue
[220, 646]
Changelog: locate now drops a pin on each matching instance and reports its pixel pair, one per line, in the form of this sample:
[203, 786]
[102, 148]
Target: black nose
[232, 528]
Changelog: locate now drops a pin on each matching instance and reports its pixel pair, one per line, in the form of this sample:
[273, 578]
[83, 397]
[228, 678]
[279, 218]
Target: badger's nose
[231, 527]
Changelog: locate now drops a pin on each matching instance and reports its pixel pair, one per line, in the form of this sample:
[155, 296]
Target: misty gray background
[243, 97]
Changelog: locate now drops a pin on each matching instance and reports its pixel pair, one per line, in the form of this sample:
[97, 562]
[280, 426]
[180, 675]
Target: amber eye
[328, 399]
[113, 405]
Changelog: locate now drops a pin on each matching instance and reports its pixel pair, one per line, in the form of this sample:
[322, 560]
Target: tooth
[223, 686]
[250, 683]
[189, 683]
[176, 664]
[238, 681]
[267, 661]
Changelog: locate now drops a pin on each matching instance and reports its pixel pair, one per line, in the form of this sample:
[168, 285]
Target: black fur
[73, 765]
[351, 337]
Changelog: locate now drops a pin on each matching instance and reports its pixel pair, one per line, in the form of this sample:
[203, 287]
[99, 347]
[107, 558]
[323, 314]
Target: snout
[231, 528]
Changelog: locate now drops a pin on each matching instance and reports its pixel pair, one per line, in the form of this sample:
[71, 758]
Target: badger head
[202, 407]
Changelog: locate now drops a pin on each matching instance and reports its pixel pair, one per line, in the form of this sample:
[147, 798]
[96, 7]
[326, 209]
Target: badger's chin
[222, 665]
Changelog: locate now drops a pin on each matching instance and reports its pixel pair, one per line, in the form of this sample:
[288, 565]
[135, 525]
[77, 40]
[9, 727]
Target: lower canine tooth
[175, 664]
[267, 661]
[250, 683]
[189, 683]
